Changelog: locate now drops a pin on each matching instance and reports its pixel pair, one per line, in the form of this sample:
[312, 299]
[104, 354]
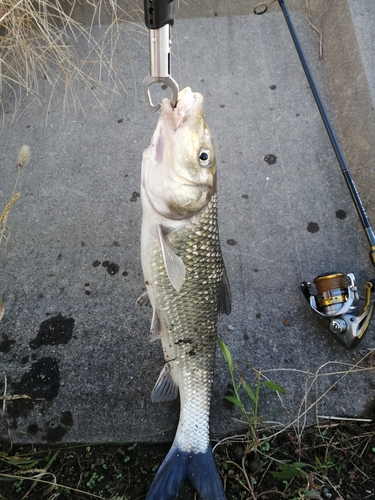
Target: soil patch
[330, 461]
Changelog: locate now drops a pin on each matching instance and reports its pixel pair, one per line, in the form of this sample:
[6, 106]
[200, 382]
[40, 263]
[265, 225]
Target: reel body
[337, 300]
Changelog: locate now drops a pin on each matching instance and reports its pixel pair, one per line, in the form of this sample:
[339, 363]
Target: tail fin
[178, 466]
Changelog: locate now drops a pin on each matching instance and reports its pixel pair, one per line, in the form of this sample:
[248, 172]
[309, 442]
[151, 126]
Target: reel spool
[337, 300]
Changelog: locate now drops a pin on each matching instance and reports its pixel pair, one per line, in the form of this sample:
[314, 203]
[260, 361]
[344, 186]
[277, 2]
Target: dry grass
[39, 42]
[22, 160]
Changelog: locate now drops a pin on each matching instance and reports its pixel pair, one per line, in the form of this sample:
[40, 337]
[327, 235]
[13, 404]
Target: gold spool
[330, 282]
[332, 290]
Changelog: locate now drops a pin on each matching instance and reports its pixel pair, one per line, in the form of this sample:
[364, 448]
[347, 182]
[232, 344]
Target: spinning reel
[337, 300]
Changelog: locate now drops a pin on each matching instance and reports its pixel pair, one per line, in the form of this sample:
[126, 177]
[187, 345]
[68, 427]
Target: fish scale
[189, 319]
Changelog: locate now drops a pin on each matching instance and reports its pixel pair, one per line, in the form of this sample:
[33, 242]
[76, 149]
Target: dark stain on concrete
[232, 242]
[54, 331]
[41, 382]
[341, 214]
[33, 429]
[313, 227]
[6, 343]
[54, 434]
[67, 419]
[135, 195]
[270, 159]
[112, 268]
[369, 411]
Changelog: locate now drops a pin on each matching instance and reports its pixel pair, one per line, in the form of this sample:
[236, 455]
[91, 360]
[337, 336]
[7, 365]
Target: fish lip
[188, 104]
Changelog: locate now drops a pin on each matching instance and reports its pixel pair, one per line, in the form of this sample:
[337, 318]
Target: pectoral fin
[225, 300]
[173, 263]
[165, 388]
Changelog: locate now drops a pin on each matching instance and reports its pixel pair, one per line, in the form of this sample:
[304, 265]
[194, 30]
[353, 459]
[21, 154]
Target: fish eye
[204, 158]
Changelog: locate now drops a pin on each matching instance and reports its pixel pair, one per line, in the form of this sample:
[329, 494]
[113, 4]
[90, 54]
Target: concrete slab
[73, 261]
[350, 31]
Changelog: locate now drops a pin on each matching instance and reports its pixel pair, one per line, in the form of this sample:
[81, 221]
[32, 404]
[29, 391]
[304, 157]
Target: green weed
[289, 471]
[252, 417]
[299, 472]
[94, 479]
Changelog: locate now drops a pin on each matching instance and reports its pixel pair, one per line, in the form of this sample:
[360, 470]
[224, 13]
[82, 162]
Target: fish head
[179, 167]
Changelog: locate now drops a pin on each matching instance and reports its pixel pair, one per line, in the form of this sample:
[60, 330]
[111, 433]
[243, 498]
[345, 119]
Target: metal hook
[167, 80]
[263, 6]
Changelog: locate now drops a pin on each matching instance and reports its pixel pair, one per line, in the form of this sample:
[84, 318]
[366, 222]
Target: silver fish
[186, 285]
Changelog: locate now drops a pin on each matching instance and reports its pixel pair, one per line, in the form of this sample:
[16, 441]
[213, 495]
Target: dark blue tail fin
[177, 467]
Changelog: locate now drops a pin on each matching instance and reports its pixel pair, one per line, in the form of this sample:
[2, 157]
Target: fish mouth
[189, 104]
[190, 101]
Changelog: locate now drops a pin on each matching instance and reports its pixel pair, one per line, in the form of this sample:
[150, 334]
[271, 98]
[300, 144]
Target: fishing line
[273, 105]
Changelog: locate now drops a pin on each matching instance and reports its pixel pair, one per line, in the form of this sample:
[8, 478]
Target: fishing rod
[336, 297]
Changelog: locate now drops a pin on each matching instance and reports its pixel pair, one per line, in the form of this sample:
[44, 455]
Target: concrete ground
[71, 337]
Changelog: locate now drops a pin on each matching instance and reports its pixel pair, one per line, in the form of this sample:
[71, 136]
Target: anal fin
[165, 388]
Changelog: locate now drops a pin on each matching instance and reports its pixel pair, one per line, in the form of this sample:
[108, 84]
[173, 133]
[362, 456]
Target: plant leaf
[249, 391]
[235, 401]
[274, 386]
[299, 465]
[227, 355]
[288, 471]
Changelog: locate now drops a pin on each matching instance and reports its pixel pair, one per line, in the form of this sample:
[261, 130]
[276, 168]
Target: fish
[186, 285]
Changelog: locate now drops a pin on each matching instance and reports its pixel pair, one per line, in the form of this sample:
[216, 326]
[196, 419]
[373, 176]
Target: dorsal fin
[225, 299]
